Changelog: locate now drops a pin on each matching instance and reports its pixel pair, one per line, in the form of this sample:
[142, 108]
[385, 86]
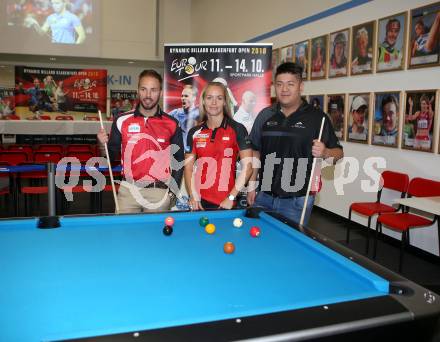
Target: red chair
[404, 221]
[13, 157]
[390, 180]
[4, 178]
[91, 118]
[45, 117]
[83, 157]
[50, 148]
[64, 117]
[47, 157]
[22, 148]
[72, 148]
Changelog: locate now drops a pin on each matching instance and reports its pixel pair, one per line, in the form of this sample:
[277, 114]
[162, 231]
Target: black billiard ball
[168, 230]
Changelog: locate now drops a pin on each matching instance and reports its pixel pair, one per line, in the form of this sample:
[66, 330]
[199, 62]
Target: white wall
[129, 29]
[243, 20]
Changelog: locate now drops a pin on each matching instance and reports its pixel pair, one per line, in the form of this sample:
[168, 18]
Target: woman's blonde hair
[226, 106]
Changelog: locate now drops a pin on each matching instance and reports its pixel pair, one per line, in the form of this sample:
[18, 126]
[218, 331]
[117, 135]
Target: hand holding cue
[303, 213]
[109, 167]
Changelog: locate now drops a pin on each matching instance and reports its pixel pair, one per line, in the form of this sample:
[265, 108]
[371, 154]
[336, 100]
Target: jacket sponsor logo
[134, 128]
[161, 140]
[226, 138]
[299, 125]
[202, 135]
[271, 123]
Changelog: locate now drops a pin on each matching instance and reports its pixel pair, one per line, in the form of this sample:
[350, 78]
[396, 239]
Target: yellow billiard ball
[210, 228]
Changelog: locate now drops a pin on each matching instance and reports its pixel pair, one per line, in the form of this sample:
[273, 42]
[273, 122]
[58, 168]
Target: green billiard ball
[203, 221]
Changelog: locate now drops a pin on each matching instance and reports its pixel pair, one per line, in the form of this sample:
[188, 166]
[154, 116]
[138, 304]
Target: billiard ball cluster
[228, 247]
[168, 229]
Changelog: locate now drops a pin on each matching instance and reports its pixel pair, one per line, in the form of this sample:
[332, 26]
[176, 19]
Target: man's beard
[150, 107]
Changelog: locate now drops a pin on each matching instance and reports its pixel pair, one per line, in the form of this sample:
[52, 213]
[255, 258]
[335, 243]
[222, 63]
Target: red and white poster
[7, 104]
[122, 101]
[59, 94]
[245, 69]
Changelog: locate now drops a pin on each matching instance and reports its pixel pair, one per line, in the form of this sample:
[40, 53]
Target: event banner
[7, 104]
[245, 69]
[122, 101]
[60, 94]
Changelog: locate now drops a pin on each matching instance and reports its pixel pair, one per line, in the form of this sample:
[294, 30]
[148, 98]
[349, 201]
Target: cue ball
[238, 222]
[169, 221]
[203, 221]
[228, 248]
[168, 230]
[210, 228]
[255, 232]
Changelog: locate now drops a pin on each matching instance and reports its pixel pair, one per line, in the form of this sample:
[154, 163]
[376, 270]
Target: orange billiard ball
[169, 221]
[229, 248]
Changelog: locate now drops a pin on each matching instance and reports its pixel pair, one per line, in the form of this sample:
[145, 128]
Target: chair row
[398, 219]
[17, 154]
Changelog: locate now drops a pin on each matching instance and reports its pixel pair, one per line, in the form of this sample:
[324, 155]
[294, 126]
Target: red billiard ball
[228, 248]
[255, 231]
[169, 221]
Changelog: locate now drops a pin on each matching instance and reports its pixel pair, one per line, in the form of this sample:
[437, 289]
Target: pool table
[118, 277]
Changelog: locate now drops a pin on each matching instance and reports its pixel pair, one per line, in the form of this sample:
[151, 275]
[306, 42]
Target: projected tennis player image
[58, 21]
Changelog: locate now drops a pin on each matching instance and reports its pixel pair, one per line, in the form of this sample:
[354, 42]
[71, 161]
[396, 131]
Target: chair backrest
[64, 117]
[82, 156]
[45, 117]
[22, 148]
[50, 148]
[47, 157]
[423, 187]
[79, 148]
[395, 181]
[13, 157]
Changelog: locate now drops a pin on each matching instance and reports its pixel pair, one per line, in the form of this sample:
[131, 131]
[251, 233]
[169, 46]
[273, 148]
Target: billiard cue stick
[109, 167]
[303, 213]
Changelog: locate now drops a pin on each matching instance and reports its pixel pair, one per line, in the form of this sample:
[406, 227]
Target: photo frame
[391, 43]
[336, 113]
[317, 101]
[286, 54]
[358, 118]
[302, 57]
[419, 120]
[386, 123]
[363, 48]
[318, 57]
[424, 43]
[339, 50]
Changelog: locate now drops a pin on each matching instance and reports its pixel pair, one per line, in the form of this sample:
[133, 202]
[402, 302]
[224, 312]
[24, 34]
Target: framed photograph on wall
[302, 57]
[336, 112]
[419, 116]
[286, 54]
[275, 61]
[339, 53]
[386, 119]
[362, 48]
[391, 43]
[317, 101]
[424, 36]
[358, 117]
[318, 60]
